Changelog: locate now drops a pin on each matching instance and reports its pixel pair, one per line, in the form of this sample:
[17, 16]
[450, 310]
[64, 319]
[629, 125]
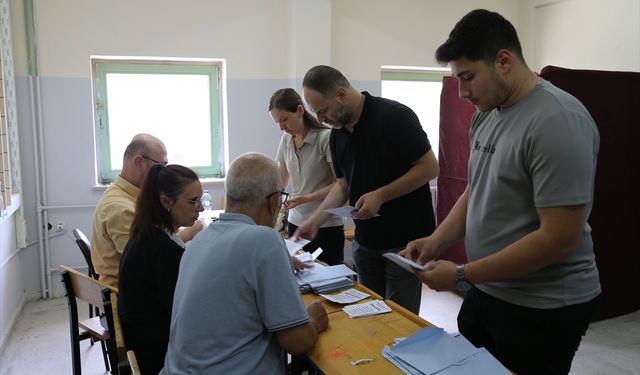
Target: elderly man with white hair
[236, 304]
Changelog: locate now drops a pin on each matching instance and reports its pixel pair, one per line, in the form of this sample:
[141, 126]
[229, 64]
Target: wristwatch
[462, 284]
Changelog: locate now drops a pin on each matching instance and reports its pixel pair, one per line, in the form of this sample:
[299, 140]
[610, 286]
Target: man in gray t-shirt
[531, 279]
[236, 304]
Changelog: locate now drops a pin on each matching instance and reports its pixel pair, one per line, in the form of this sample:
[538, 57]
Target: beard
[343, 116]
[501, 89]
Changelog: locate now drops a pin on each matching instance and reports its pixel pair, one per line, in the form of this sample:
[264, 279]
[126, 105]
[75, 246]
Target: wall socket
[61, 226]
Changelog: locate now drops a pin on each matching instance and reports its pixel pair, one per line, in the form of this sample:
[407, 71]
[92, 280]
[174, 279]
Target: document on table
[403, 262]
[346, 211]
[294, 246]
[431, 350]
[348, 296]
[320, 273]
[359, 310]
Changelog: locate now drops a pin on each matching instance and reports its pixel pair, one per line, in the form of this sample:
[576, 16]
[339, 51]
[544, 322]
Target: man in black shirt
[383, 163]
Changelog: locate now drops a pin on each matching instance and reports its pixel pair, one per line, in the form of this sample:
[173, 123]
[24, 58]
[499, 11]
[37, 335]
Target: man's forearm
[453, 227]
[423, 170]
[336, 197]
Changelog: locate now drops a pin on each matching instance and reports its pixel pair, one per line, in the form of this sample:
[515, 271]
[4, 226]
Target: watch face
[463, 286]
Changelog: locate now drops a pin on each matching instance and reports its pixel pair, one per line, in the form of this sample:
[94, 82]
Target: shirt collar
[126, 186]
[233, 216]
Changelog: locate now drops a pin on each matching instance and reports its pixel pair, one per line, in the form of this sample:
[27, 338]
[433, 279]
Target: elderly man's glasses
[163, 163]
[283, 195]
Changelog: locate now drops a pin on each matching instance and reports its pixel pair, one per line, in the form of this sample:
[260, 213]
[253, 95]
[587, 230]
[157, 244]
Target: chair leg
[104, 355]
[112, 350]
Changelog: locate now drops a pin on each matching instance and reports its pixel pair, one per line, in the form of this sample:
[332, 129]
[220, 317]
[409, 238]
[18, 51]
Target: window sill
[16, 203]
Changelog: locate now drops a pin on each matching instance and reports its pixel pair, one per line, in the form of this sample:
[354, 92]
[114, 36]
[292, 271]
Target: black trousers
[523, 339]
[330, 239]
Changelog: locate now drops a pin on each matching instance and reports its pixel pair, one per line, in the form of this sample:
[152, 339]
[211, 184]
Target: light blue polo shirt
[235, 290]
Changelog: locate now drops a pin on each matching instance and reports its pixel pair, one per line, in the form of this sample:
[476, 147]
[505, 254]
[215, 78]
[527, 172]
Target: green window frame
[415, 75]
[102, 67]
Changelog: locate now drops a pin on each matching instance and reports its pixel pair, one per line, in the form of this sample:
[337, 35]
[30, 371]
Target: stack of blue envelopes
[433, 351]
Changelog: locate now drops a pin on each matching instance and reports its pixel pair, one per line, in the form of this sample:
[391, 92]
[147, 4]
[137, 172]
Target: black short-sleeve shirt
[386, 141]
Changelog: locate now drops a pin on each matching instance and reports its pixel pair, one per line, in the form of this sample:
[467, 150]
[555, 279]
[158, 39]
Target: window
[419, 89]
[178, 101]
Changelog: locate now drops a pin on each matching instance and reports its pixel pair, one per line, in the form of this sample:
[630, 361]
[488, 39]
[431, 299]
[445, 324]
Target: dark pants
[330, 239]
[523, 339]
[386, 278]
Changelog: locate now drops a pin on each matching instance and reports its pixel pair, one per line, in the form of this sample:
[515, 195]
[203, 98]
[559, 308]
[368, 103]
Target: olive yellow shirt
[111, 224]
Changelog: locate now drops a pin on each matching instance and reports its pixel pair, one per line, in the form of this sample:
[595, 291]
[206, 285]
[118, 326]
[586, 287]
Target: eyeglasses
[163, 163]
[283, 196]
[196, 202]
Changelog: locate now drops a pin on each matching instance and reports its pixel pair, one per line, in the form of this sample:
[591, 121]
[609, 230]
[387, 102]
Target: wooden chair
[110, 298]
[133, 363]
[85, 248]
[85, 288]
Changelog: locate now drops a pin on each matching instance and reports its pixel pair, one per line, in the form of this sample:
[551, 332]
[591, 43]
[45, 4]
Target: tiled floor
[39, 343]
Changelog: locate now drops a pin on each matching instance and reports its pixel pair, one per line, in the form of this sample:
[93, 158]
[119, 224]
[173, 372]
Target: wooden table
[347, 339]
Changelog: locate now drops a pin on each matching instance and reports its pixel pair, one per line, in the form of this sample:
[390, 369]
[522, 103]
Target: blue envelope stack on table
[433, 351]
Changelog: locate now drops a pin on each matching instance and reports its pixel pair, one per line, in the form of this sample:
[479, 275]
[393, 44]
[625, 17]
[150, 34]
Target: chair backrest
[85, 249]
[83, 287]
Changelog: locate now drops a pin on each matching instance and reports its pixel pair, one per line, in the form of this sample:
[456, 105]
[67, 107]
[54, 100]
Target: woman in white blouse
[304, 159]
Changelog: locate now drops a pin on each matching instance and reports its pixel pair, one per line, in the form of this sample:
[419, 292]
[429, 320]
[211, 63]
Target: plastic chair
[78, 285]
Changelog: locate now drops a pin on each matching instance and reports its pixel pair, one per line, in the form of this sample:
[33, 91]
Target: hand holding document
[294, 246]
[309, 257]
[403, 262]
[346, 211]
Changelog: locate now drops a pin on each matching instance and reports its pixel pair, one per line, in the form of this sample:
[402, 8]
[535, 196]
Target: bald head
[140, 155]
[251, 178]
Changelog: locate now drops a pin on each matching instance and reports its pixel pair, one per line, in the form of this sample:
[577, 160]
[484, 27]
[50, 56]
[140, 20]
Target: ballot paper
[320, 273]
[309, 257]
[346, 211]
[431, 351]
[294, 246]
[325, 279]
[360, 310]
[348, 296]
[403, 262]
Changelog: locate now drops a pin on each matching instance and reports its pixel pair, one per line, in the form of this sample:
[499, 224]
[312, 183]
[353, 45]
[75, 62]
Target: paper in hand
[403, 262]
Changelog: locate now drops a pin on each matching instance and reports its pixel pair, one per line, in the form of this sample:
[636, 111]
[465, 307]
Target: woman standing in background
[304, 159]
[169, 199]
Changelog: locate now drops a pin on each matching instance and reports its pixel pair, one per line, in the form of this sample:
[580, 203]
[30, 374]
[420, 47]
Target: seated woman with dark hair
[169, 199]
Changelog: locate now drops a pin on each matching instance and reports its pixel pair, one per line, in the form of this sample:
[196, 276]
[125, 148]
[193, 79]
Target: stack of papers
[432, 350]
[325, 279]
[348, 296]
[366, 309]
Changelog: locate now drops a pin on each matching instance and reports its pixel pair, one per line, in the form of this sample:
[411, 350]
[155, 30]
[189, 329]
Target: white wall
[268, 44]
[583, 34]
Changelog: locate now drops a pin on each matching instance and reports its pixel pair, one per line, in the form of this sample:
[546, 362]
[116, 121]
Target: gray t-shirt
[309, 171]
[235, 290]
[541, 152]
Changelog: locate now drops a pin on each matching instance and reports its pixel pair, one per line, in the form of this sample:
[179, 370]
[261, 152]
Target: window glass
[177, 102]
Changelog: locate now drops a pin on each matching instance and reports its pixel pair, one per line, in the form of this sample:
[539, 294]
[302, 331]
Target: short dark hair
[150, 213]
[479, 35]
[324, 79]
[289, 100]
